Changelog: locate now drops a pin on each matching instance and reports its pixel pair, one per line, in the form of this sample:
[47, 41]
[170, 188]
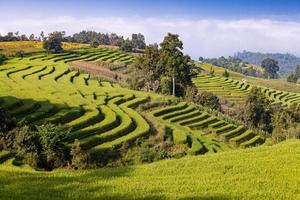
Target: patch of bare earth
[98, 71]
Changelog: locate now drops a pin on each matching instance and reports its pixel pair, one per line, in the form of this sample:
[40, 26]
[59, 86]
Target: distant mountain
[287, 62]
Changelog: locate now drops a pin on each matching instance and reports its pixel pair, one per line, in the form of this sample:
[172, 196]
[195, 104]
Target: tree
[292, 78]
[126, 46]
[31, 37]
[42, 35]
[94, 43]
[200, 59]
[138, 41]
[175, 64]
[226, 73]
[208, 99]
[257, 111]
[271, 67]
[54, 42]
[52, 139]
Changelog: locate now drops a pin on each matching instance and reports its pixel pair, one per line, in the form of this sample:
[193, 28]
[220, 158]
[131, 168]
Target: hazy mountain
[287, 62]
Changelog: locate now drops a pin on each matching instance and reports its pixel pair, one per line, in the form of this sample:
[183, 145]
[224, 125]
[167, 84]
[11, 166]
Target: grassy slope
[10, 48]
[257, 173]
[279, 84]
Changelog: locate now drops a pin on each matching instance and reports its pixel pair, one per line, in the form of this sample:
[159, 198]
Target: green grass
[237, 91]
[256, 173]
[278, 84]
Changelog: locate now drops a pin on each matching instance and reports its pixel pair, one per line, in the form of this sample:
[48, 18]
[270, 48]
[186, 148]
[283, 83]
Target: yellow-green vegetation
[41, 89]
[277, 84]
[11, 48]
[236, 91]
[189, 124]
[270, 172]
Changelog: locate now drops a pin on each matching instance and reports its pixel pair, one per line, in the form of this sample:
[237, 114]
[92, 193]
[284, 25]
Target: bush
[2, 59]
[7, 134]
[292, 78]
[94, 43]
[226, 74]
[52, 139]
[208, 99]
[80, 158]
[166, 85]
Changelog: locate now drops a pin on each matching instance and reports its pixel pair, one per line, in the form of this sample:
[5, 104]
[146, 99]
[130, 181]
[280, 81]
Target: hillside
[277, 84]
[11, 48]
[257, 173]
[287, 62]
[102, 115]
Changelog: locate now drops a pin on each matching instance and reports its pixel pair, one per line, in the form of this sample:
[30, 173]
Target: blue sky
[207, 28]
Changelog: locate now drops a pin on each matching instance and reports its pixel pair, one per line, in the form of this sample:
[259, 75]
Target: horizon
[207, 28]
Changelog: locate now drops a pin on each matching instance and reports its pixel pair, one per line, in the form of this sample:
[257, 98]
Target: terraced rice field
[237, 91]
[41, 88]
[188, 123]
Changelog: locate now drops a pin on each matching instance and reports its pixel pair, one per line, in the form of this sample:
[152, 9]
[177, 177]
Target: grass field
[11, 48]
[272, 83]
[236, 91]
[41, 88]
[257, 173]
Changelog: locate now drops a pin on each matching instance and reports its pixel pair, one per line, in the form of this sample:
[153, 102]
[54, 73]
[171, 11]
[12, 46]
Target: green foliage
[28, 146]
[287, 62]
[166, 85]
[2, 59]
[297, 71]
[271, 67]
[52, 139]
[138, 41]
[226, 74]
[292, 78]
[126, 46]
[54, 42]
[286, 123]
[94, 43]
[80, 158]
[208, 99]
[168, 61]
[257, 111]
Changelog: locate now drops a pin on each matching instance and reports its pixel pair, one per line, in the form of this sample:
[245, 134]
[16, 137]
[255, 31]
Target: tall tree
[138, 41]
[271, 67]
[177, 65]
[54, 42]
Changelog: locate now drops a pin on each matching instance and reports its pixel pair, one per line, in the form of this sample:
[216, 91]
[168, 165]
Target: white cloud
[205, 37]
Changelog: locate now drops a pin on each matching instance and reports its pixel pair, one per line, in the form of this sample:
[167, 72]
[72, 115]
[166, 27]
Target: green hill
[256, 173]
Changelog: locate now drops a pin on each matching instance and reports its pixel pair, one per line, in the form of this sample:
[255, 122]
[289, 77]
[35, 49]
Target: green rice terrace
[236, 91]
[102, 115]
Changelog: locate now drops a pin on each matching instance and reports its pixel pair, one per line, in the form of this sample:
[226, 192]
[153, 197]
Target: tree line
[137, 40]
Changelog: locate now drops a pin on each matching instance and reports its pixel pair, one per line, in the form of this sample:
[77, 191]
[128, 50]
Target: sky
[208, 28]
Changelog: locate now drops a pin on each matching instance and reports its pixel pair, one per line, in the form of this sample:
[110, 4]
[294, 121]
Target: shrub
[226, 74]
[2, 59]
[208, 99]
[52, 139]
[166, 85]
[292, 78]
[80, 158]
[94, 43]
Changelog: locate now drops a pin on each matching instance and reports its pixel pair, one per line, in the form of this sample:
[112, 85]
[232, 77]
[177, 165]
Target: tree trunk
[173, 79]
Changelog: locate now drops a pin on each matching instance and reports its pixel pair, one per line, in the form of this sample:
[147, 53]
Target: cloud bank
[204, 37]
